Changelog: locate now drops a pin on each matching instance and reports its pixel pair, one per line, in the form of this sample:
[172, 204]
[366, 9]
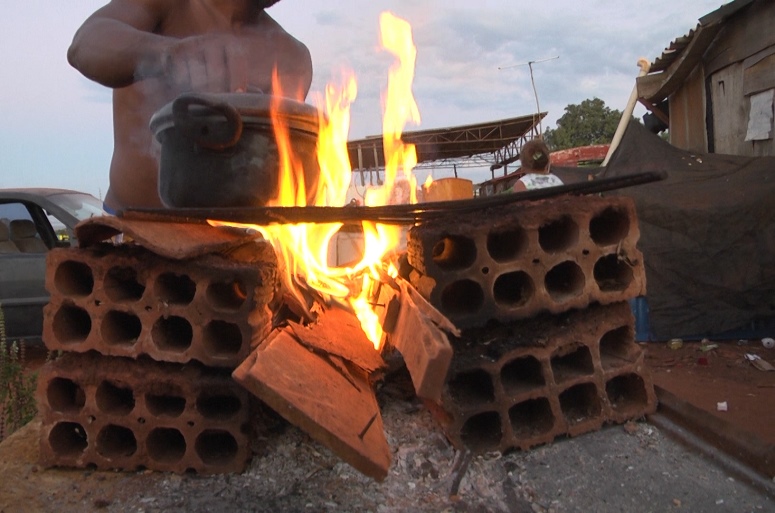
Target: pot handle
[198, 129]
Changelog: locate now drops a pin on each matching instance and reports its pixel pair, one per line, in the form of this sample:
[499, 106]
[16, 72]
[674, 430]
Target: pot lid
[253, 108]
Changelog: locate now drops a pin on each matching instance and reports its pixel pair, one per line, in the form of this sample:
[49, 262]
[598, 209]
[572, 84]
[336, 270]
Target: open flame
[399, 108]
[303, 248]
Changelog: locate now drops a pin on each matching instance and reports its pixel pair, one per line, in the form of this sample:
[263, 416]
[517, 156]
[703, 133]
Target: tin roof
[683, 53]
[449, 143]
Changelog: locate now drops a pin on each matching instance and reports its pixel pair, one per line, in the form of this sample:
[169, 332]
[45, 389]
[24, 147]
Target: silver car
[33, 221]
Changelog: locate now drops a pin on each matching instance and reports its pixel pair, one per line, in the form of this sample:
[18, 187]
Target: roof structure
[673, 66]
[496, 141]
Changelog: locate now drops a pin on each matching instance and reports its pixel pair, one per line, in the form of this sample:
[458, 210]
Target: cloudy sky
[56, 126]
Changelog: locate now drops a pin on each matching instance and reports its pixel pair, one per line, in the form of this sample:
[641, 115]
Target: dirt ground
[634, 468]
[705, 376]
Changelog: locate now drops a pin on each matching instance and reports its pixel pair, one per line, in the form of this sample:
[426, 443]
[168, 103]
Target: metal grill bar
[389, 214]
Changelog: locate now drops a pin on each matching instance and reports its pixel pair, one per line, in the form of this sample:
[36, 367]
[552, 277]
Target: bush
[17, 390]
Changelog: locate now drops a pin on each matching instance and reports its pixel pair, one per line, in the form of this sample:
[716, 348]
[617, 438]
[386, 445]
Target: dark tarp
[707, 234]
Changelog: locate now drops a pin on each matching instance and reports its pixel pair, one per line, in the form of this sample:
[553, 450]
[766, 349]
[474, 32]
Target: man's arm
[124, 42]
[116, 45]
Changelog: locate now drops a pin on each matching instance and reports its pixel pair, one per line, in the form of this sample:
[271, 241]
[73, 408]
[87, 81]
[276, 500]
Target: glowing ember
[303, 248]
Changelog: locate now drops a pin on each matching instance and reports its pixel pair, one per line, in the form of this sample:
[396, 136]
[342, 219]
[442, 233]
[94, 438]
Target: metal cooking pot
[219, 150]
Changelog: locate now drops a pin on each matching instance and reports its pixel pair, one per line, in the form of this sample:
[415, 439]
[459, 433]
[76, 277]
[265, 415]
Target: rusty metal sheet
[171, 240]
[332, 402]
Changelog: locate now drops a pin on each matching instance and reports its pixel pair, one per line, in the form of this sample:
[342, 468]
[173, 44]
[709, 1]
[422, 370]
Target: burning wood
[327, 390]
[417, 330]
[325, 395]
[338, 333]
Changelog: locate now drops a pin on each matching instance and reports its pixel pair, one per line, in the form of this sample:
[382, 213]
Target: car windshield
[80, 206]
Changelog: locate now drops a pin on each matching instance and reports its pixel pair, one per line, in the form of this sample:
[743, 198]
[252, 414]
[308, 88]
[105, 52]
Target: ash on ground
[632, 468]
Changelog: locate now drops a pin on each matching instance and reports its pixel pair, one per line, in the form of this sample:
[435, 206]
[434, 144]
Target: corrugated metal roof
[679, 44]
[673, 51]
[669, 70]
[447, 143]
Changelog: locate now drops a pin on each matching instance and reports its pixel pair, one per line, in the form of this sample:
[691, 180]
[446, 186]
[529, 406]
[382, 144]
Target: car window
[62, 231]
[80, 206]
[20, 233]
[14, 210]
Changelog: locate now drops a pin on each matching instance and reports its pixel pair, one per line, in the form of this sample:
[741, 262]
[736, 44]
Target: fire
[399, 108]
[303, 248]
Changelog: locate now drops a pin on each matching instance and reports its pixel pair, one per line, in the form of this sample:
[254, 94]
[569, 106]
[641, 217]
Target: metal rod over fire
[389, 214]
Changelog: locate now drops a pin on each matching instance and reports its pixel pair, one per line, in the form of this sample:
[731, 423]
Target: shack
[713, 88]
[708, 231]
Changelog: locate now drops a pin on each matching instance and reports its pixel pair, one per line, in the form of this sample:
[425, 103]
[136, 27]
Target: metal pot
[219, 150]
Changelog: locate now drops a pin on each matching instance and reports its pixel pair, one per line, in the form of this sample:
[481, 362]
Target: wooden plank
[330, 400]
[419, 335]
[339, 332]
[746, 33]
[687, 114]
[760, 76]
[730, 112]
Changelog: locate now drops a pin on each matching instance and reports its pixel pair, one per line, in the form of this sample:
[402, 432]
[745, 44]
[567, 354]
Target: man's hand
[208, 63]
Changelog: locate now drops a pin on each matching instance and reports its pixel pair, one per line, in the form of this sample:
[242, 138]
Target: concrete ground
[634, 468]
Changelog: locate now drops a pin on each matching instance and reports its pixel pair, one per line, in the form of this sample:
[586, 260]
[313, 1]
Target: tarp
[707, 234]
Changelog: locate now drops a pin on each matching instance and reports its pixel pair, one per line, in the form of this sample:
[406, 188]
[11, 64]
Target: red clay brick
[422, 342]
[126, 301]
[538, 379]
[544, 256]
[118, 413]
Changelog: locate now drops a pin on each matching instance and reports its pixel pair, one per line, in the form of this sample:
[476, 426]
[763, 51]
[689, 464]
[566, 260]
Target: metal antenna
[532, 81]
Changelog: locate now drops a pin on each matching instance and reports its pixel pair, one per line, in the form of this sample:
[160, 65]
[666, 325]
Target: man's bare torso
[134, 167]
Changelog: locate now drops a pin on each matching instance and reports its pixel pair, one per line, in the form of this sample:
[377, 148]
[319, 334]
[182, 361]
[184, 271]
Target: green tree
[589, 122]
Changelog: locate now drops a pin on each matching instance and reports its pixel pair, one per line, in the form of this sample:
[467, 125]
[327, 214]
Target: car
[32, 222]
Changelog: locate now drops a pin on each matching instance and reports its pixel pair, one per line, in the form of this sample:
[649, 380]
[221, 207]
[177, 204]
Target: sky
[471, 67]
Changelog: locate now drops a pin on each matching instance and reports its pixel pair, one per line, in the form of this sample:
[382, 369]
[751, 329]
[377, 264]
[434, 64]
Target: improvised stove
[171, 340]
[509, 312]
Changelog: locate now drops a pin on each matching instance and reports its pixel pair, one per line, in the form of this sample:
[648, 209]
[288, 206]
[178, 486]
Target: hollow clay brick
[527, 383]
[516, 262]
[126, 301]
[118, 413]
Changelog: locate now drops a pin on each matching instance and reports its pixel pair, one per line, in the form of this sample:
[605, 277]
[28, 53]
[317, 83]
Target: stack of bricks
[540, 291]
[149, 345]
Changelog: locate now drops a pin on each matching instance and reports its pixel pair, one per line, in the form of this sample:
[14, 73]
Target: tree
[590, 122]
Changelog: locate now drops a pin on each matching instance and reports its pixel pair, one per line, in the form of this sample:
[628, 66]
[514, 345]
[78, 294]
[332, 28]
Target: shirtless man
[151, 51]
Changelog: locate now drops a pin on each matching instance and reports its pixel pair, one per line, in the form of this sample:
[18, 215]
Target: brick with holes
[542, 256]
